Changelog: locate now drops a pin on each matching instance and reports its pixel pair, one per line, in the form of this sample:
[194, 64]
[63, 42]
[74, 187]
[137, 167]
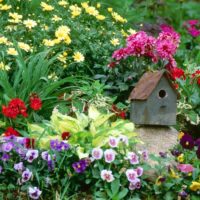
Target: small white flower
[109, 155]
[97, 153]
[131, 175]
[113, 141]
[107, 175]
[133, 158]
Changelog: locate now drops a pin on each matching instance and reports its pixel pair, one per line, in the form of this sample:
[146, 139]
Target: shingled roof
[147, 84]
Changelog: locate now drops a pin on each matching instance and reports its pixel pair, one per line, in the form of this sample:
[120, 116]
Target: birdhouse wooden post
[153, 100]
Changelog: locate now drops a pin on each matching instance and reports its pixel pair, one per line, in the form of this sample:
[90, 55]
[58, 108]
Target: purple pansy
[26, 175]
[19, 166]
[31, 155]
[34, 192]
[5, 157]
[45, 155]
[7, 147]
[139, 171]
[80, 166]
[59, 145]
[187, 141]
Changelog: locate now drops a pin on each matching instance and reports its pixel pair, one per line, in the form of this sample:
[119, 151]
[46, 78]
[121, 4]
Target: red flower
[29, 143]
[11, 131]
[118, 112]
[66, 135]
[35, 102]
[176, 72]
[197, 75]
[15, 107]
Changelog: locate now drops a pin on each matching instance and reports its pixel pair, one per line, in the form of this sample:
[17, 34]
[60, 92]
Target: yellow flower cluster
[75, 10]
[46, 7]
[15, 18]
[62, 34]
[63, 3]
[118, 18]
[91, 10]
[4, 67]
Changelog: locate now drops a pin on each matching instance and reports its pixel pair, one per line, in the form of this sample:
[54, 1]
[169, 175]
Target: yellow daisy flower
[4, 67]
[118, 18]
[12, 51]
[62, 32]
[3, 40]
[100, 17]
[48, 43]
[92, 11]
[75, 10]
[5, 7]
[46, 7]
[78, 57]
[115, 41]
[56, 18]
[63, 3]
[15, 18]
[24, 46]
[29, 23]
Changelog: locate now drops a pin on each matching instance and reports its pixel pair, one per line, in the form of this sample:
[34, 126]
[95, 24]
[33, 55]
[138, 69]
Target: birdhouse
[153, 100]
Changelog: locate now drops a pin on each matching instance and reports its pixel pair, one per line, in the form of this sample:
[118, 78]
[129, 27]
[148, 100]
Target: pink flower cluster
[140, 44]
[193, 27]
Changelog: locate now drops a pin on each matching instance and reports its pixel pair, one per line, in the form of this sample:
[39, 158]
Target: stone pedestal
[157, 139]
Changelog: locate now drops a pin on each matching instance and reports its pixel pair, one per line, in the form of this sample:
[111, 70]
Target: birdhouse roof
[147, 84]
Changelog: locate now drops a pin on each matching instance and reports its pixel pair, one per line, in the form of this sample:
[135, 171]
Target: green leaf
[123, 193]
[115, 185]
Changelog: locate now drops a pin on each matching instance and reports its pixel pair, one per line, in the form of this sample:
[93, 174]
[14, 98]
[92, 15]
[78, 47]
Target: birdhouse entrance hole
[162, 94]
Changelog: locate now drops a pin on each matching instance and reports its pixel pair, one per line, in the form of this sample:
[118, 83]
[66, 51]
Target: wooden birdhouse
[153, 100]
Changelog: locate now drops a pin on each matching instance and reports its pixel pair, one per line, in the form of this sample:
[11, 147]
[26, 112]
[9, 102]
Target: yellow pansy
[195, 186]
[56, 18]
[29, 23]
[78, 57]
[12, 51]
[15, 18]
[75, 10]
[5, 7]
[24, 46]
[115, 41]
[46, 7]
[180, 135]
[173, 174]
[180, 158]
[100, 17]
[4, 67]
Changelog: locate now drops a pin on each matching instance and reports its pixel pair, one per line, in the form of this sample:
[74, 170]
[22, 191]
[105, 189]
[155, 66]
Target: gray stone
[157, 139]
